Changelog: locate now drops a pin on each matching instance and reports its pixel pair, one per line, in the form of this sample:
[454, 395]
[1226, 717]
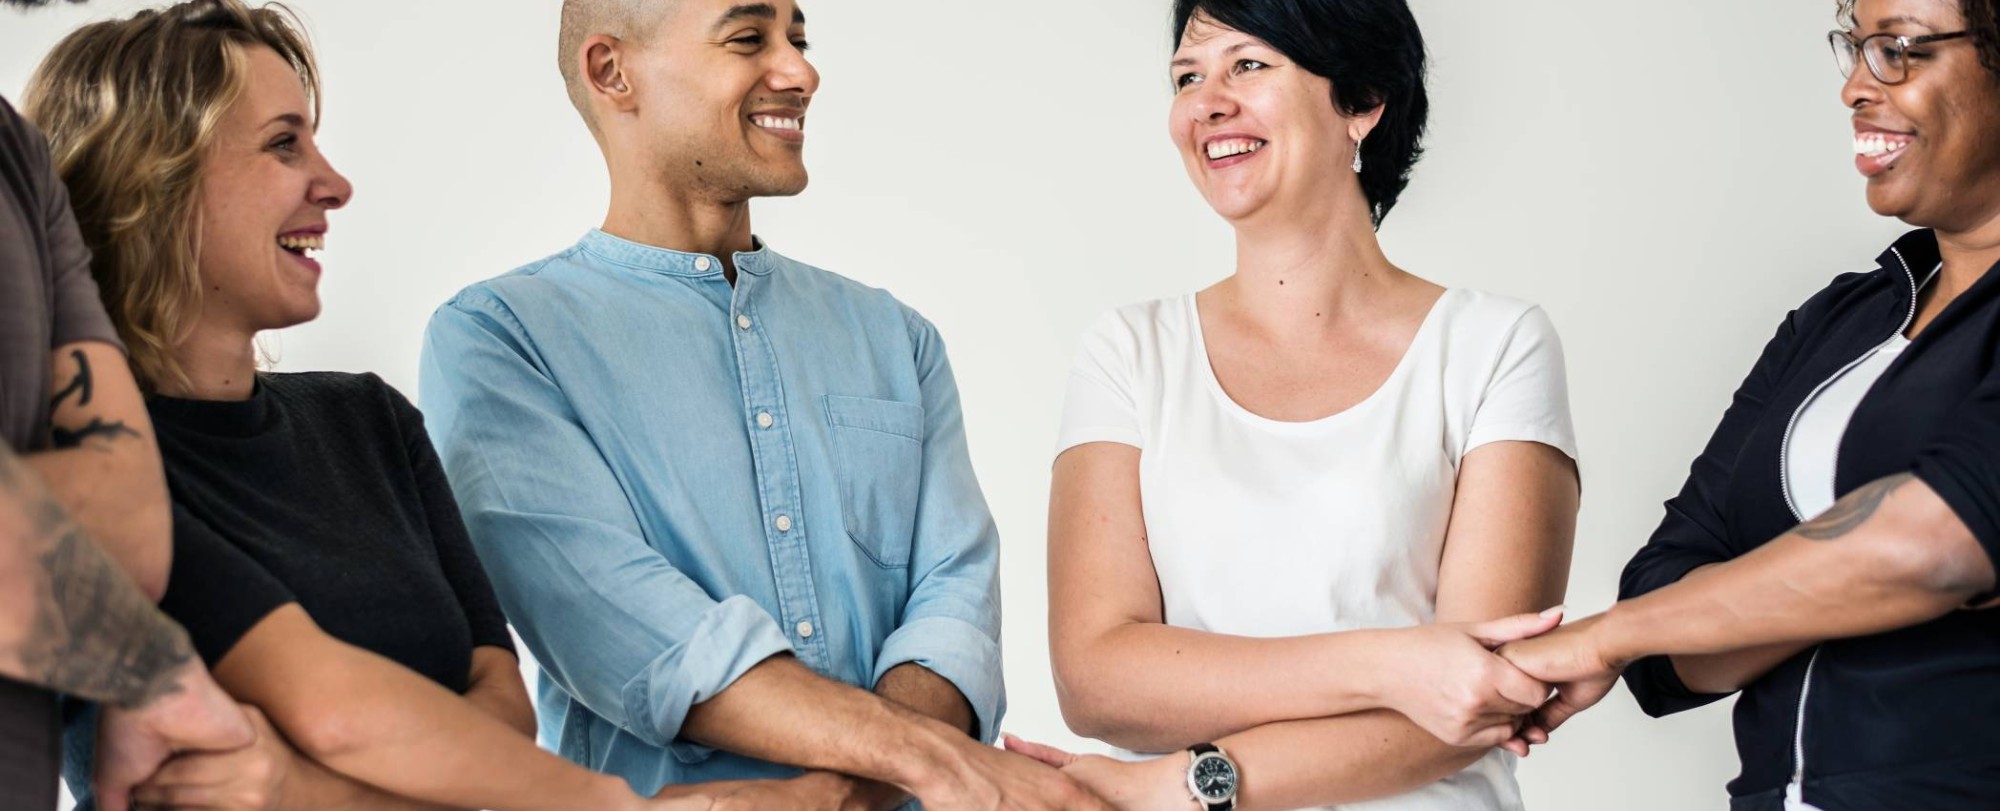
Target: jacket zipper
[1796, 791]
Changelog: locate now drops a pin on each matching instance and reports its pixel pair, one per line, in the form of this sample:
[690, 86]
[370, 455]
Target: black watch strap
[1208, 748]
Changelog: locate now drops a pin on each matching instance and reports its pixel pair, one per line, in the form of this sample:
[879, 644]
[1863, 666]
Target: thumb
[1049, 755]
[1494, 633]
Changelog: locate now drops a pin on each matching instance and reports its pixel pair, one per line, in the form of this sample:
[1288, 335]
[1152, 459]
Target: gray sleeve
[79, 312]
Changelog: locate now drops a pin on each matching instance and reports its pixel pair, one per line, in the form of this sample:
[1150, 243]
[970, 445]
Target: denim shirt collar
[757, 262]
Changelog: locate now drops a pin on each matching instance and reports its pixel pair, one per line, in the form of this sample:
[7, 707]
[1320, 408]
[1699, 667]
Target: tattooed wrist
[90, 631]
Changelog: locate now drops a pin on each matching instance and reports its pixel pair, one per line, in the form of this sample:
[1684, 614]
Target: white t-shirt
[1814, 450]
[1265, 528]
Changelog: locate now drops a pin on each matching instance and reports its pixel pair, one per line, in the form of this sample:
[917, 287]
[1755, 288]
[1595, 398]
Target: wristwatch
[1212, 777]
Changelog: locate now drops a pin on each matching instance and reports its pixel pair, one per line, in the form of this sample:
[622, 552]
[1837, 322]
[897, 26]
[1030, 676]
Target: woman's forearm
[1336, 761]
[1889, 555]
[377, 722]
[1113, 686]
[310, 786]
[1724, 673]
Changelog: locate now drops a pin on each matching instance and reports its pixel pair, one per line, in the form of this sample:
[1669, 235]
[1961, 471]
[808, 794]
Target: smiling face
[721, 91]
[1254, 130]
[1929, 146]
[265, 193]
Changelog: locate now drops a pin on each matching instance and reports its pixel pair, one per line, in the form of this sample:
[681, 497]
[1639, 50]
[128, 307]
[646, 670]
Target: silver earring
[1357, 155]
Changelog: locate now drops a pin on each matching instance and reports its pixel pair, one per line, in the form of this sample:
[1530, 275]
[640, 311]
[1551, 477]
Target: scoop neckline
[1214, 384]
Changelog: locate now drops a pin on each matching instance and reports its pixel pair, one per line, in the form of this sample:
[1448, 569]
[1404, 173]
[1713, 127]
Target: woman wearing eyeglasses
[1830, 550]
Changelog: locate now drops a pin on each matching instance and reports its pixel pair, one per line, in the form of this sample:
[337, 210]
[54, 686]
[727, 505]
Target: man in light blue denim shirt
[718, 490]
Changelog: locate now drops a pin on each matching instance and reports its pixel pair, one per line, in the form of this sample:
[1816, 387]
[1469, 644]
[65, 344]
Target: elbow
[150, 562]
[1090, 708]
[1928, 569]
[327, 732]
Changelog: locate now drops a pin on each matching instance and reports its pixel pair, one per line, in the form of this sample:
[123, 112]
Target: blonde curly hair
[129, 107]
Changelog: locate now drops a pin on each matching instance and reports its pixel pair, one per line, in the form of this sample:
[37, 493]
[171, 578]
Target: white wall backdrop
[1666, 178]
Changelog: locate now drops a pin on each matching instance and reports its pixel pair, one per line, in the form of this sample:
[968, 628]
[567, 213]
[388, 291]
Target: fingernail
[1555, 612]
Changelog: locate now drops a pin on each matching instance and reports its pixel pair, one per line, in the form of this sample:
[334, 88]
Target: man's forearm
[119, 498]
[916, 687]
[780, 711]
[70, 618]
[1888, 556]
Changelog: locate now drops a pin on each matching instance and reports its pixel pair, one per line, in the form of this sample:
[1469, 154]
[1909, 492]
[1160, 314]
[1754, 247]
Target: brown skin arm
[1889, 555]
[103, 467]
[780, 711]
[917, 688]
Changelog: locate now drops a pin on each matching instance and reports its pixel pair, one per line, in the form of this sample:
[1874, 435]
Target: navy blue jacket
[1908, 719]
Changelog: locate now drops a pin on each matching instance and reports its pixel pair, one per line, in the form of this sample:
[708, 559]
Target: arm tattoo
[91, 632]
[82, 387]
[65, 439]
[1849, 513]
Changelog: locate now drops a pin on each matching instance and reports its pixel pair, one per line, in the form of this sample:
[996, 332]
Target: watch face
[1214, 778]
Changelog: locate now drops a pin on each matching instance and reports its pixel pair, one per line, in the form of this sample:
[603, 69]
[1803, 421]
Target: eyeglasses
[1888, 55]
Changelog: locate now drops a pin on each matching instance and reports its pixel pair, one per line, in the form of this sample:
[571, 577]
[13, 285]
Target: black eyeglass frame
[1841, 41]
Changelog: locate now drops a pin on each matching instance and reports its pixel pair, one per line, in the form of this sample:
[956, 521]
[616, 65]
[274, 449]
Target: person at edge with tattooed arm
[83, 512]
[72, 620]
[1866, 683]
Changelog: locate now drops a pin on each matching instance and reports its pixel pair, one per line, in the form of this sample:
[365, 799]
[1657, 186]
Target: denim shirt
[671, 479]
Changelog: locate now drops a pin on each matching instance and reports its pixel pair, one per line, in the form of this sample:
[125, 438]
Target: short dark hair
[1982, 18]
[1372, 52]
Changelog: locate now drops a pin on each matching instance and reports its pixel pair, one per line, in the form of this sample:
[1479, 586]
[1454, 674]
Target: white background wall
[1666, 178]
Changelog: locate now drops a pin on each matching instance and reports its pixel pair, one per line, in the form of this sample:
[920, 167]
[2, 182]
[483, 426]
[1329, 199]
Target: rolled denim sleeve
[951, 623]
[606, 614]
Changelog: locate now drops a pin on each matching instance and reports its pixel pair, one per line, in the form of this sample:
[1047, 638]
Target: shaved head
[625, 19]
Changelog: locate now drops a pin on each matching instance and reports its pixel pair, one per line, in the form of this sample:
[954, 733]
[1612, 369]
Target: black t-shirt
[47, 300]
[322, 490]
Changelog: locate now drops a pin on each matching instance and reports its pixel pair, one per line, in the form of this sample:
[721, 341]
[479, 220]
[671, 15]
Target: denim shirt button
[805, 630]
[702, 264]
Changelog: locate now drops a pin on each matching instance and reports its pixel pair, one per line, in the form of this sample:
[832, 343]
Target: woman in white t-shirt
[1294, 513]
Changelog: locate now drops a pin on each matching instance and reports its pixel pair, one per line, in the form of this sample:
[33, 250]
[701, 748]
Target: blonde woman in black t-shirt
[320, 563]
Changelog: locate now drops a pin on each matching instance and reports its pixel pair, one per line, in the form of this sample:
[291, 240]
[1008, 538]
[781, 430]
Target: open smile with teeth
[300, 244]
[1879, 144]
[772, 122]
[1217, 150]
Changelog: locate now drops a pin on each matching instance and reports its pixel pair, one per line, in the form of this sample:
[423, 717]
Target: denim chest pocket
[879, 449]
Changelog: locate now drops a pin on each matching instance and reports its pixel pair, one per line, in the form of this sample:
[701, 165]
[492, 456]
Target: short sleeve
[1526, 398]
[1102, 404]
[79, 313]
[1962, 465]
[217, 591]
